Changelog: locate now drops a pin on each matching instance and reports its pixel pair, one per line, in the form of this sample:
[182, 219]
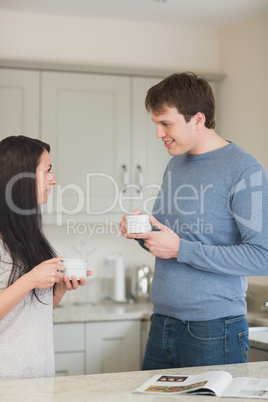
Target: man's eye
[165, 124]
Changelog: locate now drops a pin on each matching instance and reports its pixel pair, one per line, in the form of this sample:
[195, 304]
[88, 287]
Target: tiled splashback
[94, 243]
[96, 246]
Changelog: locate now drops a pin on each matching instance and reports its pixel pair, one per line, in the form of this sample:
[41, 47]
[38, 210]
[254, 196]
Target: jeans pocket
[204, 343]
[237, 342]
[244, 345]
[206, 331]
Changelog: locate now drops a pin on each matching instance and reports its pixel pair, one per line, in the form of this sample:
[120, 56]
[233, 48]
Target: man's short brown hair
[188, 92]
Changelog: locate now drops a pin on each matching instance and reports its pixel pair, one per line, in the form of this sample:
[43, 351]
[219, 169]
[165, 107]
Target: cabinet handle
[139, 178]
[125, 177]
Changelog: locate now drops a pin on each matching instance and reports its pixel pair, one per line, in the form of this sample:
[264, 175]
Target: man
[212, 220]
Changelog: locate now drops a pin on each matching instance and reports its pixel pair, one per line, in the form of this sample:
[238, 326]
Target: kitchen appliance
[114, 281]
[141, 283]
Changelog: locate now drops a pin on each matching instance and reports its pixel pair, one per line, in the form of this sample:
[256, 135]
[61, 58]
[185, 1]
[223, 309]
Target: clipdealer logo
[254, 222]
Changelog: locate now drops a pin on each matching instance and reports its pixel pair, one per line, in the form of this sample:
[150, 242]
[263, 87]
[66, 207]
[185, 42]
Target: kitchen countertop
[109, 311]
[259, 338]
[257, 319]
[102, 312]
[115, 387]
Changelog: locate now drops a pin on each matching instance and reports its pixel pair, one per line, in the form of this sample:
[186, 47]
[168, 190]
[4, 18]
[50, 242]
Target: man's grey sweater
[217, 203]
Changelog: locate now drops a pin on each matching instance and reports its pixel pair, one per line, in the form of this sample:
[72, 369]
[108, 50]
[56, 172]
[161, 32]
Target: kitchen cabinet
[149, 156]
[69, 345]
[19, 103]
[257, 355]
[69, 364]
[104, 151]
[145, 328]
[258, 338]
[113, 346]
[86, 119]
[107, 159]
[97, 347]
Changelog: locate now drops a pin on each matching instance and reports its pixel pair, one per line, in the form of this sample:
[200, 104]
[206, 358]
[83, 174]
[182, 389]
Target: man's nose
[160, 132]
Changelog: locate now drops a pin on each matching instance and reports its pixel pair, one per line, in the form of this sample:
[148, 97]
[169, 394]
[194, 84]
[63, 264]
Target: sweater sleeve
[141, 243]
[249, 255]
[242, 259]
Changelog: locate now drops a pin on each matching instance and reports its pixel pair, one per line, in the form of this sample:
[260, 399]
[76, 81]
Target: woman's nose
[53, 180]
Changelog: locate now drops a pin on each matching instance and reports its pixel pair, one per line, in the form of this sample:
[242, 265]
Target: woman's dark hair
[188, 92]
[20, 218]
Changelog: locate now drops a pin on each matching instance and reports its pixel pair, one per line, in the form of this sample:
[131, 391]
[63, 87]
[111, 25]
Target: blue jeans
[174, 343]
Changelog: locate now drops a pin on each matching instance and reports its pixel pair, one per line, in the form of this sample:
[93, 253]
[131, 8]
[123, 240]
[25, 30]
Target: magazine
[217, 383]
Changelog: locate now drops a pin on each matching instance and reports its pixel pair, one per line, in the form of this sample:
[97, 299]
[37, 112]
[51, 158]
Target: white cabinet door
[86, 120]
[69, 345]
[145, 328]
[112, 346]
[69, 364]
[150, 157]
[69, 337]
[257, 355]
[19, 103]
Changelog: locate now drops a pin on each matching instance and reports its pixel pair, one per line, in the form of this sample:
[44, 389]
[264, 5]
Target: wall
[107, 42]
[244, 59]
[244, 101]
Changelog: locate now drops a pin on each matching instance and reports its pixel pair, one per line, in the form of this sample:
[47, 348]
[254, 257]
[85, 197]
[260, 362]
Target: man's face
[178, 136]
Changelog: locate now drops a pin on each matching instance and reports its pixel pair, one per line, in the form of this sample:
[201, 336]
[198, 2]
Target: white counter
[259, 338]
[124, 311]
[116, 387]
[102, 312]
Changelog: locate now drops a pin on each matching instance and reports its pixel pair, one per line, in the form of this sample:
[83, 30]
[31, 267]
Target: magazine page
[247, 388]
[207, 383]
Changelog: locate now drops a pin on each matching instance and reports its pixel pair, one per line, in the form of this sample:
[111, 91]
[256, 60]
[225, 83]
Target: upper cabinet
[105, 155]
[19, 103]
[149, 156]
[86, 120]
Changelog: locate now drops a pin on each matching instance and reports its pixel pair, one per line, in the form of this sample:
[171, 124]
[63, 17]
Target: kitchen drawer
[69, 364]
[69, 337]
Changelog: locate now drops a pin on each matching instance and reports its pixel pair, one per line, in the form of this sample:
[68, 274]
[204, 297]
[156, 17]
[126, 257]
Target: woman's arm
[11, 296]
[43, 276]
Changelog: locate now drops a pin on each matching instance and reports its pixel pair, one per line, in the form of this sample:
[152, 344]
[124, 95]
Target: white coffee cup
[75, 267]
[138, 224]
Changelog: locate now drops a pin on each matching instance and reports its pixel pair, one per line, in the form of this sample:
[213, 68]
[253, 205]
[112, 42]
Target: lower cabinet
[97, 347]
[145, 328]
[257, 355]
[113, 346]
[72, 363]
[69, 345]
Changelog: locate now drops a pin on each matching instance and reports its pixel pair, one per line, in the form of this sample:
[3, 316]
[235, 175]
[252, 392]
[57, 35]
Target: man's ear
[200, 120]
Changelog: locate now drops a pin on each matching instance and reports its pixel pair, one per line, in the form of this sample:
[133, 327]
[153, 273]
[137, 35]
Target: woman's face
[44, 178]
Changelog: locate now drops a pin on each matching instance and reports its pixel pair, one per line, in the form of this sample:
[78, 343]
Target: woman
[31, 281]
